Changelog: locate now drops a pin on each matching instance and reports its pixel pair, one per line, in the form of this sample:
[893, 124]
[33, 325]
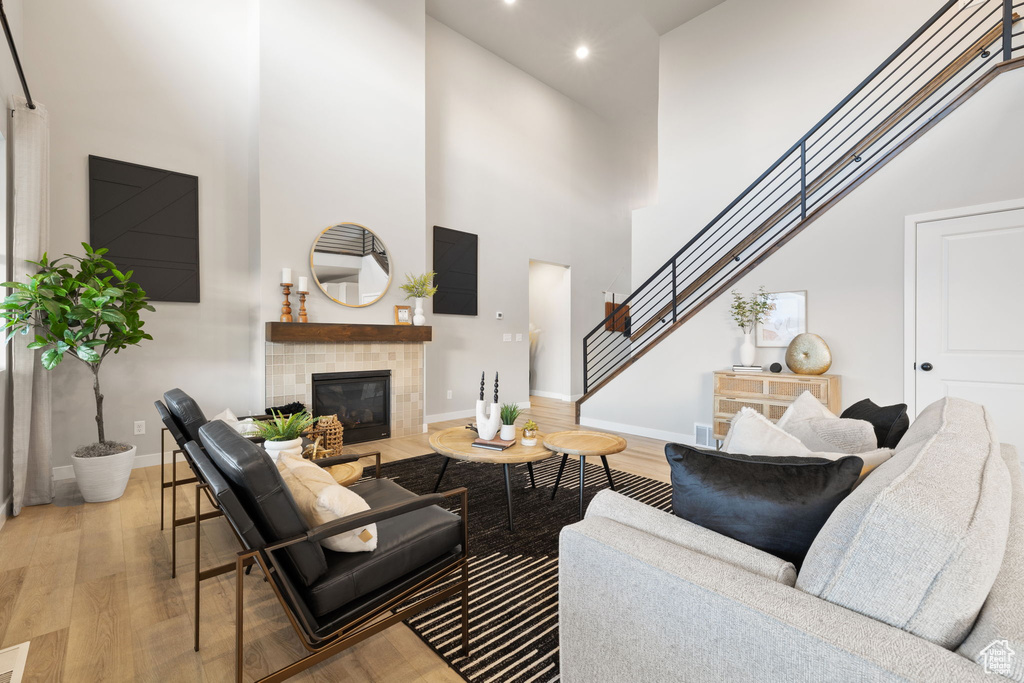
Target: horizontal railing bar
[895, 71]
[904, 89]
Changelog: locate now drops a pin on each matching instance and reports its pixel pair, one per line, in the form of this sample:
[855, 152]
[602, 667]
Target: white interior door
[970, 315]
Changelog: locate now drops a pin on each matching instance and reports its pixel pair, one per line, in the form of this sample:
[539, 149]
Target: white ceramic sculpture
[487, 426]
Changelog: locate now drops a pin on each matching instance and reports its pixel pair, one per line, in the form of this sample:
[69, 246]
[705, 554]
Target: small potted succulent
[419, 287]
[284, 434]
[529, 433]
[509, 414]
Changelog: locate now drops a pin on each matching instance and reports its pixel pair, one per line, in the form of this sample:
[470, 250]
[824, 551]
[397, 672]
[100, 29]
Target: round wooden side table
[456, 443]
[584, 445]
[347, 473]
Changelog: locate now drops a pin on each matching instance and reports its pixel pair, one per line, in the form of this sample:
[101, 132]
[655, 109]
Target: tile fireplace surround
[290, 367]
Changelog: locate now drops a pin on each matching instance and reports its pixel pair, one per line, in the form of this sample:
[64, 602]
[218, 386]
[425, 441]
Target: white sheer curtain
[31, 443]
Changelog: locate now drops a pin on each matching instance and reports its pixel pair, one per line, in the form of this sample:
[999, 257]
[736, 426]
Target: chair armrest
[332, 460]
[636, 607]
[668, 527]
[361, 519]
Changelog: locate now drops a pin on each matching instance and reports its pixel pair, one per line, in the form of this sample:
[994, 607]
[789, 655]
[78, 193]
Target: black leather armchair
[182, 418]
[334, 600]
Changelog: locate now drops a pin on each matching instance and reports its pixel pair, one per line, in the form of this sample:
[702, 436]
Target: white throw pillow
[751, 433]
[321, 499]
[820, 430]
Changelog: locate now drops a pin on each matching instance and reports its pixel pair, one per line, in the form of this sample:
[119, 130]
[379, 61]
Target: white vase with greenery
[284, 434]
[748, 313]
[419, 287]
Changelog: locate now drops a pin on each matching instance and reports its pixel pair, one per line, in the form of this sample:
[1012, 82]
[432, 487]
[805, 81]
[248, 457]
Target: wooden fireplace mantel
[332, 333]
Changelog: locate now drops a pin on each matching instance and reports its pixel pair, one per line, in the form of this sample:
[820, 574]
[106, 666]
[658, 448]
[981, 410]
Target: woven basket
[331, 434]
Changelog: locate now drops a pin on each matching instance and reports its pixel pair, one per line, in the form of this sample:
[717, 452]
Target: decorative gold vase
[808, 354]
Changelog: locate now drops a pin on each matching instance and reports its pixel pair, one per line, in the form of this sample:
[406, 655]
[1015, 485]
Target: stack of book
[493, 444]
[747, 368]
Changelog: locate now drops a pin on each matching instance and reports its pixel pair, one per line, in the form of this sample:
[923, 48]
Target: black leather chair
[334, 600]
[182, 418]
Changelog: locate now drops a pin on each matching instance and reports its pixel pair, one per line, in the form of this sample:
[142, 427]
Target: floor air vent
[12, 663]
[703, 435]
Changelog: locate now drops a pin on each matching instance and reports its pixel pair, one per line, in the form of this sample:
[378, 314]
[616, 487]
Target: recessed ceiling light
[583, 52]
[510, 2]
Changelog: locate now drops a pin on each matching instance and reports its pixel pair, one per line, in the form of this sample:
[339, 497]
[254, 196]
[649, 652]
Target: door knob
[927, 367]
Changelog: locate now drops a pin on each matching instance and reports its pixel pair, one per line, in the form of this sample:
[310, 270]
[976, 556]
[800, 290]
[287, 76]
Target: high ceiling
[619, 80]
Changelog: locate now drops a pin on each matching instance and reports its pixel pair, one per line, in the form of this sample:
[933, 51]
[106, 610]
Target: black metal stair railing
[893, 106]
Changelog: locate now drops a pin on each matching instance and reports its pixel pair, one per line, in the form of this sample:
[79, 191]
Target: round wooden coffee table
[456, 443]
[584, 444]
[347, 473]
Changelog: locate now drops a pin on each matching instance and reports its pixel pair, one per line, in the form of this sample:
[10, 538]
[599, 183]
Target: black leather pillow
[890, 422]
[775, 504]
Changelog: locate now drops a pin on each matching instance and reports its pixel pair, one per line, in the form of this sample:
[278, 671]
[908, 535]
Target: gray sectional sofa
[917, 576]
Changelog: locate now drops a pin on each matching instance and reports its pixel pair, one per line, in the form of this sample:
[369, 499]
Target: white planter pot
[275, 448]
[508, 432]
[529, 442]
[418, 318]
[103, 478]
[747, 351]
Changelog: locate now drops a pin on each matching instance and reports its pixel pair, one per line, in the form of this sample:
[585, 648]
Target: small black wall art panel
[455, 262]
[149, 220]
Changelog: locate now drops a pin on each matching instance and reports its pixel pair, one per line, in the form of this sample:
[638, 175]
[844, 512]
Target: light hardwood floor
[89, 585]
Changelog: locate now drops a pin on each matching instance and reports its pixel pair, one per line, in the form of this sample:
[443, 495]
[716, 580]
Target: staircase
[956, 53]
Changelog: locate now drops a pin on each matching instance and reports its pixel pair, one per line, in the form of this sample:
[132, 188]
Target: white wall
[550, 306]
[166, 85]
[341, 139]
[535, 176]
[851, 262]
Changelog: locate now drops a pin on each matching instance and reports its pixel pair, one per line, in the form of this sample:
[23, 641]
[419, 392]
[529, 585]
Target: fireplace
[361, 400]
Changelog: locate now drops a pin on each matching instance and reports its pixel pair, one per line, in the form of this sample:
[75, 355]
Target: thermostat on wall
[499, 315]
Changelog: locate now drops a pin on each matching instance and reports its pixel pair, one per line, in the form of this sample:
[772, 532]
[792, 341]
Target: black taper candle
[482, 380]
[495, 387]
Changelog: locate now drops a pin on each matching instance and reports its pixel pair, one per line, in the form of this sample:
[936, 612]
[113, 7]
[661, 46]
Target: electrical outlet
[140, 427]
[506, 337]
[519, 337]
[449, 393]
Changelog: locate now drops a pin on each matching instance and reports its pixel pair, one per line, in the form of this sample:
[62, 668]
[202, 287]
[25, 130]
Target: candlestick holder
[286, 307]
[303, 318]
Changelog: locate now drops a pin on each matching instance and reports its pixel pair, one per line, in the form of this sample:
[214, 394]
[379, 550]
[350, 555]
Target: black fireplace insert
[361, 400]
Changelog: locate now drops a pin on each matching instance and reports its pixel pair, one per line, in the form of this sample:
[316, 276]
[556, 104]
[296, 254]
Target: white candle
[286, 276]
[302, 284]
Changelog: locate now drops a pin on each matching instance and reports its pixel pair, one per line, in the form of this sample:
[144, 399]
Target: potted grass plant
[510, 412]
[419, 287]
[82, 307]
[748, 313]
[284, 434]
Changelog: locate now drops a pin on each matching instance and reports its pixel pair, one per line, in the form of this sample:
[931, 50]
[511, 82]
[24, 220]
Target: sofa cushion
[320, 500]
[819, 430]
[1000, 617]
[775, 504]
[889, 422]
[919, 543]
[752, 432]
[262, 492]
[406, 543]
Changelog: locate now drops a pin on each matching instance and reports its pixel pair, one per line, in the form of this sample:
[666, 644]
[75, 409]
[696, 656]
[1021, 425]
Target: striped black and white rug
[514, 576]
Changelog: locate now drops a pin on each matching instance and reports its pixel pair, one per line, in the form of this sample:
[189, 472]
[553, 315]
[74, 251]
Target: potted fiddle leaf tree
[84, 308]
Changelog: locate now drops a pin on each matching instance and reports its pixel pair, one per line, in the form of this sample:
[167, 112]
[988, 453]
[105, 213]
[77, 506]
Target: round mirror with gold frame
[351, 265]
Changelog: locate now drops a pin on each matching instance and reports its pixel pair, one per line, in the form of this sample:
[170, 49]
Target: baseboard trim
[148, 460]
[551, 395]
[461, 415]
[659, 434]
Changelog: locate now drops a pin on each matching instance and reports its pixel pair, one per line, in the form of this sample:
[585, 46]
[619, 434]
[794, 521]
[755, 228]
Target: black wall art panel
[149, 220]
[455, 262]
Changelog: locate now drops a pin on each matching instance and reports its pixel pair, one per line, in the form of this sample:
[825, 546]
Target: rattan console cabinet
[769, 394]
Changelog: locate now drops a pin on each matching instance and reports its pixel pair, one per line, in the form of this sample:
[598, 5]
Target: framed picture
[403, 315]
[785, 322]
